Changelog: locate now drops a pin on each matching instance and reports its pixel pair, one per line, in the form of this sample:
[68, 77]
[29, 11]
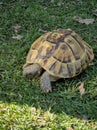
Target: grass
[22, 106]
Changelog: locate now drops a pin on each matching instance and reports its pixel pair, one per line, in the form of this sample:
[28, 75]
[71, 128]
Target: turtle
[56, 54]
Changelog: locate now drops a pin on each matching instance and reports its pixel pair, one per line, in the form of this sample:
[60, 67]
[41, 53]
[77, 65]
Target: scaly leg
[45, 83]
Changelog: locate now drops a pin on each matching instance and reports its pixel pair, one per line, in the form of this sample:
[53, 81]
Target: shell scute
[62, 53]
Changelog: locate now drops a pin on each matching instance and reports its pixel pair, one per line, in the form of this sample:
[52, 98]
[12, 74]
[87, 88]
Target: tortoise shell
[62, 53]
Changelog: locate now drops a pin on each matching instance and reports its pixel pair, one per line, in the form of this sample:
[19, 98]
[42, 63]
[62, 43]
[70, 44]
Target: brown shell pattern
[62, 53]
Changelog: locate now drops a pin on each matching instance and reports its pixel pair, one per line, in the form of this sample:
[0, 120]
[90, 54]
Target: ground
[22, 105]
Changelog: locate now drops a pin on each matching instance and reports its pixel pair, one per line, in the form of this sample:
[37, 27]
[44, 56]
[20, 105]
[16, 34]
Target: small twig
[43, 31]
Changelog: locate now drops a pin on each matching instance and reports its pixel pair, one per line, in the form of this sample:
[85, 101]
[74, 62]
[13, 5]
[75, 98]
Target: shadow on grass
[64, 98]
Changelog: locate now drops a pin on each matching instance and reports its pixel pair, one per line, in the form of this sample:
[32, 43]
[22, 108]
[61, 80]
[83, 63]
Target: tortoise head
[32, 70]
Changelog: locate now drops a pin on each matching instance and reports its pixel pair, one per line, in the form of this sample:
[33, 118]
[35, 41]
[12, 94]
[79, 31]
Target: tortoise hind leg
[45, 82]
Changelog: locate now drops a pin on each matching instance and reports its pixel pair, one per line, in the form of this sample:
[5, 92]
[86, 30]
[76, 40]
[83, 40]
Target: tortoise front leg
[45, 83]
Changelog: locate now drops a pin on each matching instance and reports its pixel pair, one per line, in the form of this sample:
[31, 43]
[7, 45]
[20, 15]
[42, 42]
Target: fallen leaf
[41, 30]
[17, 37]
[86, 21]
[81, 88]
[95, 12]
[33, 110]
[16, 28]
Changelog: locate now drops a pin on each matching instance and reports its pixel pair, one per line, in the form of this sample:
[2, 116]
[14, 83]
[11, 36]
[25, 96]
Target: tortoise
[61, 53]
